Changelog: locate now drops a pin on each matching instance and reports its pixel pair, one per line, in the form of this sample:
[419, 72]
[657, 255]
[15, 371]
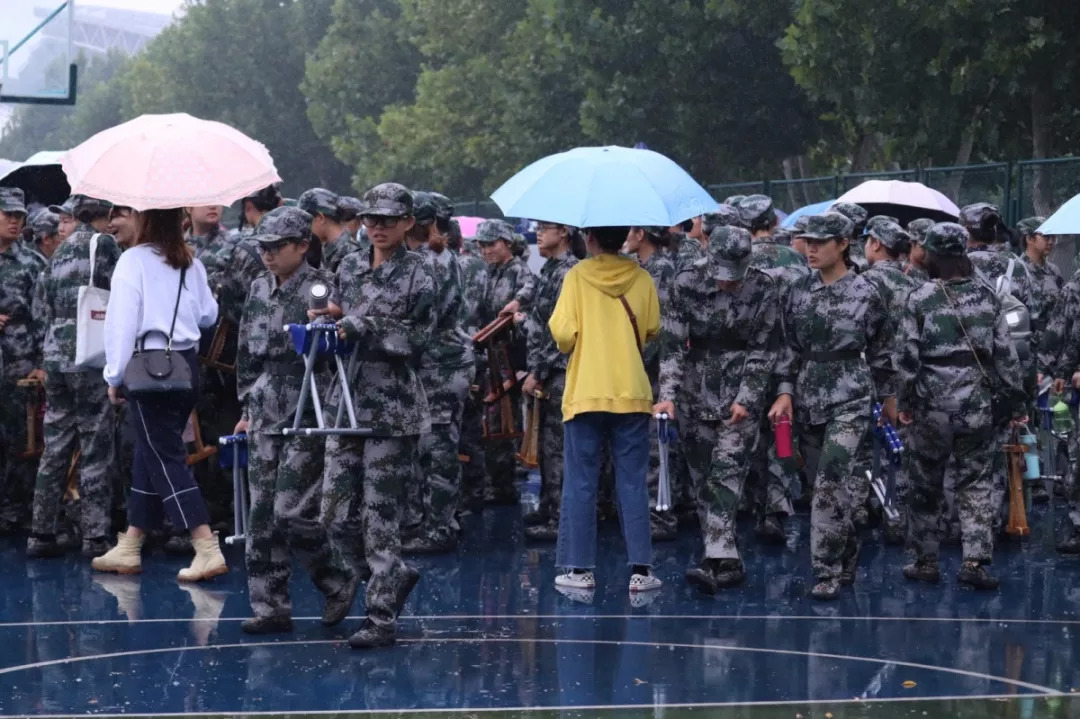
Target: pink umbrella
[167, 161]
[904, 200]
[469, 225]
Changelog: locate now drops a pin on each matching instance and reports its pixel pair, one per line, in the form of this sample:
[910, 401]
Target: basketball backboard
[36, 58]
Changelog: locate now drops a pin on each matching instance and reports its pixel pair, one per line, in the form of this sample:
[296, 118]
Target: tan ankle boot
[208, 562]
[124, 558]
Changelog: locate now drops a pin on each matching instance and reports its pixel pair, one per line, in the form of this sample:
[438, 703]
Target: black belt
[831, 356]
[717, 344]
[960, 359]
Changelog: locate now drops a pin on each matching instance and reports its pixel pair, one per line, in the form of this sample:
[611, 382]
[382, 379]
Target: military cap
[800, 224]
[444, 207]
[12, 200]
[45, 223]
[782, 237]
[889, 234]
[729, 253]
[917, 229]
[348, 208]
[724, 215]
[318, 200]
[734, 200]
[1029, 226]
[831, 225]
[81, 204]
[756, 209]
[880, 218]
[856, 213]
[68, 208]
[290, 202]
[491, 230]
[975, 215]
[387, 200]
[946, 238]
[283, 223]
[423, 208]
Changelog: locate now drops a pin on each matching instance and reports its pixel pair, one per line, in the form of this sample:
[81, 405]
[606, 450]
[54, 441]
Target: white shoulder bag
[90, 320]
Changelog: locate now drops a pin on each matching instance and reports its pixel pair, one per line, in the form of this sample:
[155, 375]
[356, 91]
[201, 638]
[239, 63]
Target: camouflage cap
[856, 213]
[734, 200]
[348, 208]
[388, 200]
[782, 237]
[831, 225]
[800, 224]
[283, 223]
[423, 208]
[12, 200]
[81, 204]
[729, 253]
[889, 234]
[44, 224]
[1029, 226]
[491, 230]
[756, 209]
[318, 200]
[975, 215]
[946, 238]
[723, 216]
[880, 218]
[68, 208]
[917, 229]
[444, 207]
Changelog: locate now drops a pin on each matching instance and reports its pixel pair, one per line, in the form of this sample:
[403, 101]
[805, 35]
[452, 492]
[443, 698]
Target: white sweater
[142, 299]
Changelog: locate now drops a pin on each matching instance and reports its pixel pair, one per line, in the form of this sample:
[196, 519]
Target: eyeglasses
[273, 248]
[373, 221]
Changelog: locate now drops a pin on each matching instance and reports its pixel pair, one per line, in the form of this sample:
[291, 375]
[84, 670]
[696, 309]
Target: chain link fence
[967, 184]
[723, 191]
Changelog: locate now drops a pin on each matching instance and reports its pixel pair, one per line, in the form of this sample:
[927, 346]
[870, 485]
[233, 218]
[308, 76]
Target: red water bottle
[782, 431]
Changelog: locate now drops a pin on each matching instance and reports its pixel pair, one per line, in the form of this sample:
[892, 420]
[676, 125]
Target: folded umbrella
[1066, 221]
[169, 161]
[906, 201]
[604, 186]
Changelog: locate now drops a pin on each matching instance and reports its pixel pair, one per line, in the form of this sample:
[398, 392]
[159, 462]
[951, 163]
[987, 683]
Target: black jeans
[162, 482]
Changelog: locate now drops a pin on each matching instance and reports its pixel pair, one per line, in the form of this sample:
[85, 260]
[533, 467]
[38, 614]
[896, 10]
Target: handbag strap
[176, 308]
[633, 322]
[93, 256]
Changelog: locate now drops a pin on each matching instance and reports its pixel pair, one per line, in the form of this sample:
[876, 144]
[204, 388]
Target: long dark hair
[163, 230]
[948, 267]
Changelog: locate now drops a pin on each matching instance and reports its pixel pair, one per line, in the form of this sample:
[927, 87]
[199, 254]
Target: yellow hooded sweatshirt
[605, 373]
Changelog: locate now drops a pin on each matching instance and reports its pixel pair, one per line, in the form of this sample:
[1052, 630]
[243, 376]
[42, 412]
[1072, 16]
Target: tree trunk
[963, 157]
[802, 186]
[867, 146]
[789, 175]
[1041, 199]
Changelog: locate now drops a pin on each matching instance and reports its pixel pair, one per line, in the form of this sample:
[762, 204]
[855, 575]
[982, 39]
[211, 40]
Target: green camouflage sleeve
[881, 346]
[674, 333]
[1007, 366]
[758, 366]
[394, 336]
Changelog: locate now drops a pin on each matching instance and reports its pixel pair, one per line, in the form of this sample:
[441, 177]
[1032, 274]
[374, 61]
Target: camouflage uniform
[548, 365]
[78, 413]
[318, 201]
[952, 333]
[473, 286]
[859, 220]
[389, 312]
[687, 252]
[284, 473]
[1059, 357]
[716, 346]
[827, 330]
[1046, 279]
[509, 281]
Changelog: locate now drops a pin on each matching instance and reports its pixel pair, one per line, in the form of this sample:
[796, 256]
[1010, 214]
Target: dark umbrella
[41, 178]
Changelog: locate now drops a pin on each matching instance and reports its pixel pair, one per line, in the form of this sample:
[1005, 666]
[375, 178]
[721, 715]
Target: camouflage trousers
[363, 489]
[770, 491]
[955, 442]
[718, 456]
[18, 473]
[77, 416]
[499, 454]
[435, 492]
[472, 446]
[550, 451]
[831, 451]
[285, 488]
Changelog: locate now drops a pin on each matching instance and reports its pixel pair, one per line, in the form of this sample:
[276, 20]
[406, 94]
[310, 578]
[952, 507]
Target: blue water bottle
[1031, 456]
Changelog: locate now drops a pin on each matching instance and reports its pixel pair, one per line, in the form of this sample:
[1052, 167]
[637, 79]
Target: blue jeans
[583, 437]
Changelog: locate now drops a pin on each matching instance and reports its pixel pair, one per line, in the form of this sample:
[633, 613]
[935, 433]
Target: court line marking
[597, 707]
[1048, 691]
[460, 617]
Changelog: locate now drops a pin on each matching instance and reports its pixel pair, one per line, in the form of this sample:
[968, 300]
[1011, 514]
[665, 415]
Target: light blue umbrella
[604, 186]
[815, 209]
[1066, 221]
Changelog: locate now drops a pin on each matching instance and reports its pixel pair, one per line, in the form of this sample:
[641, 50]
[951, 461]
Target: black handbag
[154, 371]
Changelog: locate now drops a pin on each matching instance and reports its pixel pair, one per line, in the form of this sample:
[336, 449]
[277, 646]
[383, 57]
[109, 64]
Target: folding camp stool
[238, 458]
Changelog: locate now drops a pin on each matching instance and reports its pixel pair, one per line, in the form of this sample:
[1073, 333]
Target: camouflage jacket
[687, 252]
[474, 277]
[68, 270]
[993, 261]
[543, 356]
[894, 286]
[1059, 346]
[945, 323]
[849, 320]
[662, 270]
[236, 267]
[916, 273]
[20, 338]
[336, 251]
[210, 249]
[269, 372]
[509, 281]
[451, 346]
[715, 344]
[390, 313]
[1047, 283]
[778, 261]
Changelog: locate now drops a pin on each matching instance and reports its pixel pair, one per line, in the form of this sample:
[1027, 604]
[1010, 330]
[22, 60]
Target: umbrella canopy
[906, 201]
[41, 178]
[604, 186]
[815, 209]
[168, 161]
[1066, 221]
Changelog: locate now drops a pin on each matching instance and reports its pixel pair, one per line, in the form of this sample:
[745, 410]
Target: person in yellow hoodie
[607, 310]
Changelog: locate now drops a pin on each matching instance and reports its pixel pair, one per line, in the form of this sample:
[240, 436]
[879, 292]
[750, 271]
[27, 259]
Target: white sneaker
[644, 583]
[576, 580]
